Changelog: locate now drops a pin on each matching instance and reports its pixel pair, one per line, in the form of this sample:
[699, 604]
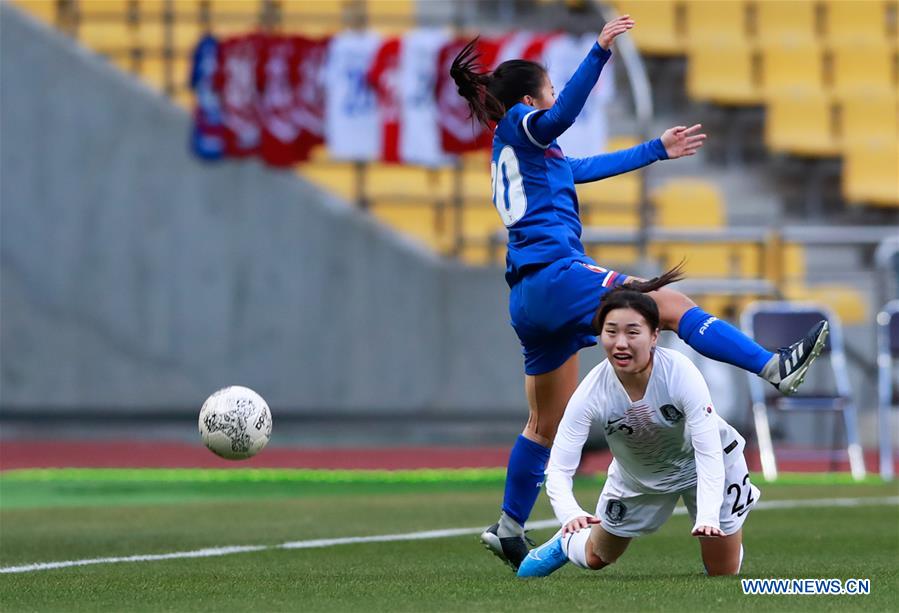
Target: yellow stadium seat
[862, 69]
[337, 177]
[106, 36]
[390, 17]
[791, 22]
[786, 263]
[106, 10]
[719, 260]
[794, 264]
[41, 9]
[871, 173]
[865, 118]
[610, 217]
[693, 203]
[395, 180]
[165, 75]
[618, 257]
[418, 220]
[660, 30]
[479, 222]
[150, 34]
[313, 18]
[724, 73]
[188, 11]
[859, 22]
[688, 203]
[847, 302]
[795, 68]
[801, 124]
[621, 190]
[185, 35]
[249, 9]
[154, 9]
[476, 184]
[714, 21]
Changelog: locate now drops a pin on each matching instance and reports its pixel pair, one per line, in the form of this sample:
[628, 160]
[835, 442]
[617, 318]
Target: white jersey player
[667, 441]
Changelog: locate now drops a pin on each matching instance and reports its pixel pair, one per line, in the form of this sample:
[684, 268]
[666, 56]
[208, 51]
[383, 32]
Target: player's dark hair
[490, 95]
[632, 295]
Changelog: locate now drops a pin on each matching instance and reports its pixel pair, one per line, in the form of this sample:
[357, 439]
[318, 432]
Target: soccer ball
[235, 423]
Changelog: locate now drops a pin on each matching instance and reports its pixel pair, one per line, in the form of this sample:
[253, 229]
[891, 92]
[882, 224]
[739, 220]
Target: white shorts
[627, 514]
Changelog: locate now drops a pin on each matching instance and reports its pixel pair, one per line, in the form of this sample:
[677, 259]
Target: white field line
[410, 536]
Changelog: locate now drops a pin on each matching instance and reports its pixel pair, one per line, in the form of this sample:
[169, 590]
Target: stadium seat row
[826, 72]
[675, 27]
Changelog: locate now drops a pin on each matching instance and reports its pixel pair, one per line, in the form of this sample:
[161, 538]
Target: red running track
[160, 454]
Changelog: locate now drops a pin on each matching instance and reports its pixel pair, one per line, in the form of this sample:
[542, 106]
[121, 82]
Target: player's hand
[579, 523]
[707, 531]
[613, 28]
[681, 141]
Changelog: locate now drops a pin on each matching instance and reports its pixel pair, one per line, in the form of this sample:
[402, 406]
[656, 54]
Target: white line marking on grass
[409, 536]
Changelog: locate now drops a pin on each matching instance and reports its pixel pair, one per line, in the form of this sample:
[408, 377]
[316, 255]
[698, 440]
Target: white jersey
[420, 135]
[561, 56]
[668, 441]
[352, 123]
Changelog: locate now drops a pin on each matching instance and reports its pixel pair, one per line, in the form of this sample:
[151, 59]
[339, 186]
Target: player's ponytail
[632, 295]
[490, 95]
[473, 83]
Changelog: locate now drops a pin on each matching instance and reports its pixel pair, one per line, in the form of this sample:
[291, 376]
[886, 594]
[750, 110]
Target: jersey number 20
[508, 189]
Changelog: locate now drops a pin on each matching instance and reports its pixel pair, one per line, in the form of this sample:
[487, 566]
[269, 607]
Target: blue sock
[527, 463]
[720, 341]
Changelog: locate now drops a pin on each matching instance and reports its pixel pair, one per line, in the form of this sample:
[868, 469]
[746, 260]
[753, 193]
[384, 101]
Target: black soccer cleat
[793, 361]
[511, 550]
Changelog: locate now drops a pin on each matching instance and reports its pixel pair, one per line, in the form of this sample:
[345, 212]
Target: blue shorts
[552, 310]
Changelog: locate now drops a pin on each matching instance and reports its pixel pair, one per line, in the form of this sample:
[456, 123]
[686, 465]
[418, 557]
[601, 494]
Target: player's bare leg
[604, 548]
[593, 549]
[548, 395]
[722, 555]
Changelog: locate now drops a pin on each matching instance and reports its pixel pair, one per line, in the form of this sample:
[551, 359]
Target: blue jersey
[533, 181]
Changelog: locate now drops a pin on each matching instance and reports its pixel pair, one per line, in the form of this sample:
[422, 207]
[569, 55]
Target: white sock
[575, 546]
[508, 527]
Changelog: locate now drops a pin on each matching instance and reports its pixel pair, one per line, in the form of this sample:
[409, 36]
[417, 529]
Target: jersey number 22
[508, 189]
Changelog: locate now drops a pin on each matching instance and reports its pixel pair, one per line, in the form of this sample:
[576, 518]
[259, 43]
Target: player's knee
[672, 306]
[596, 560]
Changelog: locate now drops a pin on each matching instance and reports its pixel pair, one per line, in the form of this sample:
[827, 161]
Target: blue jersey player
[555, 288]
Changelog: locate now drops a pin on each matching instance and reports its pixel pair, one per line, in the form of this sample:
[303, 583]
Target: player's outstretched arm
[681, 141]
[676, 142]
[546, 126]
[597, 167]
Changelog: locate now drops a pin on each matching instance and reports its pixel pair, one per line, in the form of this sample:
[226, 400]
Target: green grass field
[48, 516]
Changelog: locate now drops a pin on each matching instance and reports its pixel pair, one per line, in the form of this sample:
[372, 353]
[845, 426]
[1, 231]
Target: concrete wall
[137, 278]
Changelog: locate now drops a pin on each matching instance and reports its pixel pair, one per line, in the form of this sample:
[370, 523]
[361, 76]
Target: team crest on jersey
[671, 413]
[615, 511]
